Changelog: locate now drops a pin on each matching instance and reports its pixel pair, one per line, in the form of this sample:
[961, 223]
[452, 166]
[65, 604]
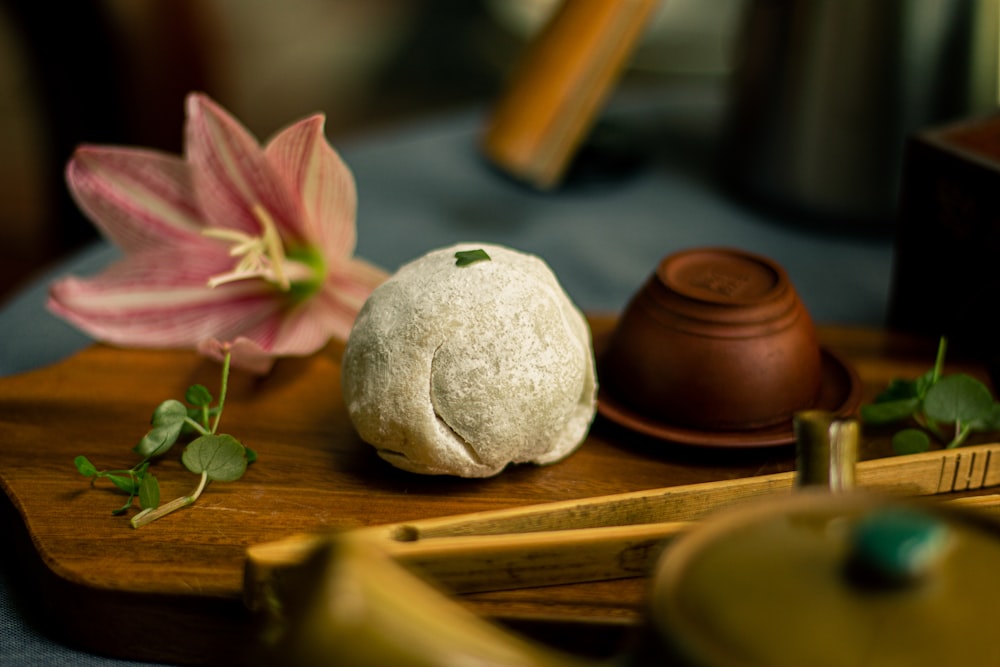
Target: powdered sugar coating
[461, 370]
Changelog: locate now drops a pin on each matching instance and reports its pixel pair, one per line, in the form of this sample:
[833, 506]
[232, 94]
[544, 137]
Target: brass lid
[832, 579]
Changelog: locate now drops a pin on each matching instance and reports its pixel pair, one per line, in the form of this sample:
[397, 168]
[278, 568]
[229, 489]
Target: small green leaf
[126, 483]
[899, 390]
[168, 420]
[84, 466]
[911, 441]
[466, 257]
[158, 440]
[989, 421]
[198, 395]
[251, 454]
[890, 411]
[169, 412]
[958, 398]
[221, 457]
[149, 492]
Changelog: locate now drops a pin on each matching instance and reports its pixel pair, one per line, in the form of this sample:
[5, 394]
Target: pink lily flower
[234, 246]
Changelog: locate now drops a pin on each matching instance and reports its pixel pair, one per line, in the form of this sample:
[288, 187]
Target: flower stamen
[260, 256]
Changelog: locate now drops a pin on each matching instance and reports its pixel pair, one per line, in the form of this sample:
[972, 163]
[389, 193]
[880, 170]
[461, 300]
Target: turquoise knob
[895, 547]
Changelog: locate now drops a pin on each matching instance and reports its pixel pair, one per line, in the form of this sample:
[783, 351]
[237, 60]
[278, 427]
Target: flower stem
[939, 359]
[961, 434]
[149, 515]
[196, 426]
[222, 389]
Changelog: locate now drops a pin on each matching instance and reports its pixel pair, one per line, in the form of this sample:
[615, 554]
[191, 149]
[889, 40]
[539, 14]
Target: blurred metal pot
[825, 93]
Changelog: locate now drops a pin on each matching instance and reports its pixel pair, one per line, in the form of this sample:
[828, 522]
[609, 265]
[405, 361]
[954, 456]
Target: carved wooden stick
[608, 537]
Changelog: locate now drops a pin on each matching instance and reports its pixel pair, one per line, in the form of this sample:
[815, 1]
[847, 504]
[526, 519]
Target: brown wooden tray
[172, 591]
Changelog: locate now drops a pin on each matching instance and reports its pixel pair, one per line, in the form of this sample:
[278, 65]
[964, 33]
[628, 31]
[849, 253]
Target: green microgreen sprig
[948, 408]
[209, 455]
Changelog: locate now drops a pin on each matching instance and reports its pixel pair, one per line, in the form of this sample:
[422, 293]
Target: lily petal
[161, 300]
[231, 175]
[298, 331]
[315, 173]
[308, 326]
[140, 199]
[345, 293]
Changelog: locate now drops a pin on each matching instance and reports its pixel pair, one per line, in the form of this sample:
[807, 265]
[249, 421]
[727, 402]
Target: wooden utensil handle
[557, 90]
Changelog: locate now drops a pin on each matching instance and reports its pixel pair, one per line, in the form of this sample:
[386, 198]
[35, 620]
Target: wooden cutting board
[172, 591]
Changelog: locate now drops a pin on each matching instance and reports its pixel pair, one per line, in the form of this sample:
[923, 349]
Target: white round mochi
[461, 370]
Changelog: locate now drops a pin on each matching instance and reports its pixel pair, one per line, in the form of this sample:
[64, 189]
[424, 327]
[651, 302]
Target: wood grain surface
[172, 591]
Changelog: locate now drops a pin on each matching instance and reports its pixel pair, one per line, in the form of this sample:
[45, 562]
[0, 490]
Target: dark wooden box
[946, 274]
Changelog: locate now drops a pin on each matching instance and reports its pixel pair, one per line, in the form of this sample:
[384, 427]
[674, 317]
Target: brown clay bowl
[717, 341]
